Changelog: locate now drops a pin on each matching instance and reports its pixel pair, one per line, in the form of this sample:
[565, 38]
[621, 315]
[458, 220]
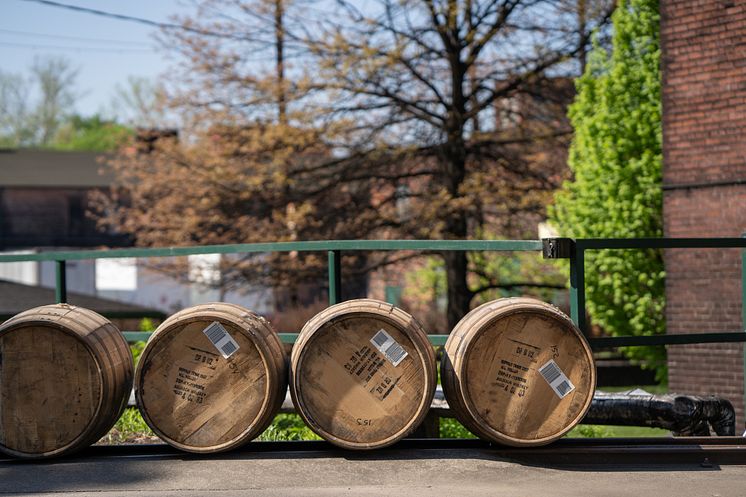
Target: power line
[111, 15]
[141, 20]
[74, 38]
[37, 46]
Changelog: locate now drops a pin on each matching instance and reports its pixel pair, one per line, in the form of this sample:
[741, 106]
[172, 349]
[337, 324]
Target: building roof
[53, 168]
[17, 297]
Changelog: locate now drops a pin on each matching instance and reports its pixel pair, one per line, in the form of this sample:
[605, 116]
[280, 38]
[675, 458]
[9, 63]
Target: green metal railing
[575, 251]
[554, 248]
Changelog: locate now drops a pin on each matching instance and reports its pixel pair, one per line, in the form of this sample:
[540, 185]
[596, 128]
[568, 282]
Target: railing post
[577, 288]
[743, 287]
[743, 316]
[60, 289]
[335, 276]
[567, 248]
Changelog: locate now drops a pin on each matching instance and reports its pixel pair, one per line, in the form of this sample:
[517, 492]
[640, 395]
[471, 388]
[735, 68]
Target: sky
[106, 51]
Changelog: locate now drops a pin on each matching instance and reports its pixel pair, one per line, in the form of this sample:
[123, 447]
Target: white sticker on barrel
[390, 349]
[559, 382]
[221, 339]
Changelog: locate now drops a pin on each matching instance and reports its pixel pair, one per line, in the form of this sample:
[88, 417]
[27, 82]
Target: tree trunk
[280, 61]
[456, 225]
[459, 295]
[582, 26]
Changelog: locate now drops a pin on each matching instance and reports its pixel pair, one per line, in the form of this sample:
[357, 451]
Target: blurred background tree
[38, 109]
[34, 107]
[90, 133]
[419, 84]
[55, 78]
[358, 120]
[139, 103]
[15, 125]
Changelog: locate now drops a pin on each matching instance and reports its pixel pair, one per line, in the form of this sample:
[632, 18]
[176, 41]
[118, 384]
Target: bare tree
[413, 77]
[14, 109]
[414, 118]
[140, 102]
[56, 79]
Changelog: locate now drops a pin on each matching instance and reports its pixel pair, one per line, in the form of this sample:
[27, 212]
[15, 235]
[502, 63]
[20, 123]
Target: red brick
[704, 115]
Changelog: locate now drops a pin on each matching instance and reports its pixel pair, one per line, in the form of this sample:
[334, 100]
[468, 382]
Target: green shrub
[616, 158]
[451, 428]
[287, 427]
[130, 428]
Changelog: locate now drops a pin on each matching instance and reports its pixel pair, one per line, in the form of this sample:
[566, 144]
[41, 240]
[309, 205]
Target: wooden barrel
[65, 378]
[211, 378]
[362, 374]
[517, 371]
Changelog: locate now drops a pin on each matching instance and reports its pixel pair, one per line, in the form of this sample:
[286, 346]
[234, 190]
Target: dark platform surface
[571, 467]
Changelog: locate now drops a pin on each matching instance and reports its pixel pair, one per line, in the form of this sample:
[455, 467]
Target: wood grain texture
[490, 372]
[347, 390]
[199, 401]
[65, 377]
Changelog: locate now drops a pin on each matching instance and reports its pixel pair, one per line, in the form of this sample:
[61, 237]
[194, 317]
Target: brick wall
[704, 146]
[47, 216]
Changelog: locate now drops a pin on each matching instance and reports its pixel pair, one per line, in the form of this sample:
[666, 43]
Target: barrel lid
[204, 380]
[363, 374]
[51, 390]
[525, 371]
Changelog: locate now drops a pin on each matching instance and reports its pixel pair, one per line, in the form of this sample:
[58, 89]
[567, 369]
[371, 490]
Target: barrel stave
[65, 376]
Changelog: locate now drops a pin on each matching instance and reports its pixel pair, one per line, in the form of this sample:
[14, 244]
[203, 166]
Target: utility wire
[147, 22]
[74, 38]
[73, 48]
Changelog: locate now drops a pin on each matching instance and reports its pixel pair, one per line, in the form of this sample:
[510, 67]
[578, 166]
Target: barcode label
[220, 338]
[380, 338]
[390, 349]
[559, 382]
[564, 388]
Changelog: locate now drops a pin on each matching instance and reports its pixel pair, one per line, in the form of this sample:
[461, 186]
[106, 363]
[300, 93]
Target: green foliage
[589, 431]
[607, 431]
[427, 283]
[287, 427]
[491, 275]
[451, 428]
[131, 422]
[616, 192]
[16, 126]
[146, 324]
[136, 349]
[130, 428]
[90, 133]
[497, 275]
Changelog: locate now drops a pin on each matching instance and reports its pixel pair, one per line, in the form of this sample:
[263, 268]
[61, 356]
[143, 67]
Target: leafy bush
[146, 324]
[288, 427]
[130, 428]
[451, 428]
[616, 157]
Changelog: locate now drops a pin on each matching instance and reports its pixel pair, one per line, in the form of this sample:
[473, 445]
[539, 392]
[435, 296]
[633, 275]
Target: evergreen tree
[616, 191]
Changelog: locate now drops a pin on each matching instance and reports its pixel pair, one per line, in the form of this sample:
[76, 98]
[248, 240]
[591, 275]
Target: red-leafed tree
[406, 119]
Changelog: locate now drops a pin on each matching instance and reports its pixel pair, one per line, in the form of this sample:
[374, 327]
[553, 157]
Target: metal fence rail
[567, 248]
[552, 248]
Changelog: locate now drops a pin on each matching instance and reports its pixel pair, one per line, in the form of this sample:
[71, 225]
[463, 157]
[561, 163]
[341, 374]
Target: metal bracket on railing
[557, 248]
